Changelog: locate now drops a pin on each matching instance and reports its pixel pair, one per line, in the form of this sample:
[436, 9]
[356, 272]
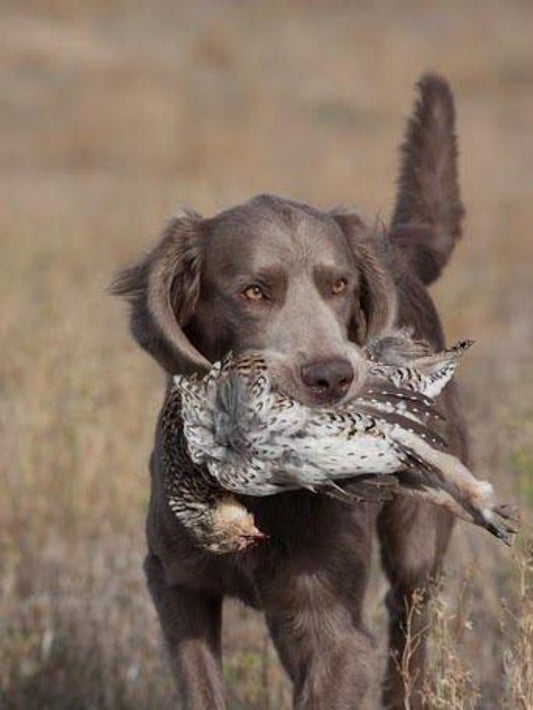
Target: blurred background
[111, 114]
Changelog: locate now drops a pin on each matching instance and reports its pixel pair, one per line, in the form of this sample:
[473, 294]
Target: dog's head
[304, 286]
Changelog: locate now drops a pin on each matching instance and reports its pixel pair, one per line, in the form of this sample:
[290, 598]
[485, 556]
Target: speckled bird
[232, 433]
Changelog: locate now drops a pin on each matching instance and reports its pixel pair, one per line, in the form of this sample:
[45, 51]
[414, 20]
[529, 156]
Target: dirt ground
[112, 113]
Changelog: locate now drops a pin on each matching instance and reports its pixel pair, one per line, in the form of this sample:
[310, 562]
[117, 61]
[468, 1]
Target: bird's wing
[428, 374]
[385, 396]
[387, 420]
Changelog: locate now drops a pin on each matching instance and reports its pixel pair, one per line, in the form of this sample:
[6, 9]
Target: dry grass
[112, 113]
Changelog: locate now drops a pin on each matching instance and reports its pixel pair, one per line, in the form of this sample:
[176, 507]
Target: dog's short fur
[308, 286]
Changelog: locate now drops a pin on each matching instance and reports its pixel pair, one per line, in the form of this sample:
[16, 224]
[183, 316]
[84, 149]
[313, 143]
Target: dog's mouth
[315, 400]
[286, 380]
[285, 376]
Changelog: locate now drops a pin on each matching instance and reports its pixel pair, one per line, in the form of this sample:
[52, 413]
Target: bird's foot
[505, 522]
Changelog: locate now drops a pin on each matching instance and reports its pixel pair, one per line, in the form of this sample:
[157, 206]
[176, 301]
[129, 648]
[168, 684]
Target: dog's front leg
[191, 626]
[314, 617]
[327, 657]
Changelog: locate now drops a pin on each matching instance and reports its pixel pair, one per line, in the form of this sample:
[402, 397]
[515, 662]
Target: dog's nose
[329, 380]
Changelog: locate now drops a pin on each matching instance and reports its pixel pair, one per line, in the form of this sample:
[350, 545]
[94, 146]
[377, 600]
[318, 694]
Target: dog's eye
[339, 287]
[254, 293]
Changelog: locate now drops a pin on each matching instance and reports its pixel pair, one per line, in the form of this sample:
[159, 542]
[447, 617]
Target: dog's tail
[426, 222]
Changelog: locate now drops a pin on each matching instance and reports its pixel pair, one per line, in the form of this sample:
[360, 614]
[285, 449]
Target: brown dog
[308, 286]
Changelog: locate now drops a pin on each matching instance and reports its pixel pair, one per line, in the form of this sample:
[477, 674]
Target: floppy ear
[375, 312]
[427, 217]
[162, 291]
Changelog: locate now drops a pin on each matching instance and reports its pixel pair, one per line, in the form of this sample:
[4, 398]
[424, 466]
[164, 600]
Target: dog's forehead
[268, 229]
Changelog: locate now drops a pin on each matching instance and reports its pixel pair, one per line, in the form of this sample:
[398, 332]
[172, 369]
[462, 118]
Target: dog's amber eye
[339, 287]
[254, 293]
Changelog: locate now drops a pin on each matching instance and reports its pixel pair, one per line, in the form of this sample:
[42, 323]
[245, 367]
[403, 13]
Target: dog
[310, 287]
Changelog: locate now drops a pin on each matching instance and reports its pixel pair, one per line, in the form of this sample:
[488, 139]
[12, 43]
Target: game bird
[232, 433]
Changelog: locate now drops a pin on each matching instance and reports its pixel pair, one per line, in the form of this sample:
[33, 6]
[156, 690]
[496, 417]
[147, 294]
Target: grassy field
[111, 114]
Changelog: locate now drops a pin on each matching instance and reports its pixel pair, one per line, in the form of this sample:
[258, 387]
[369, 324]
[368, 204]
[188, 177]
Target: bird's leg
[457, 490]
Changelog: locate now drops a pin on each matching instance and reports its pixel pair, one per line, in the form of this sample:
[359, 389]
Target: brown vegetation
[112, 113]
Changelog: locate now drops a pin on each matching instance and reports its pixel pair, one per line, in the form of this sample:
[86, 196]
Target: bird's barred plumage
[231, 432]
